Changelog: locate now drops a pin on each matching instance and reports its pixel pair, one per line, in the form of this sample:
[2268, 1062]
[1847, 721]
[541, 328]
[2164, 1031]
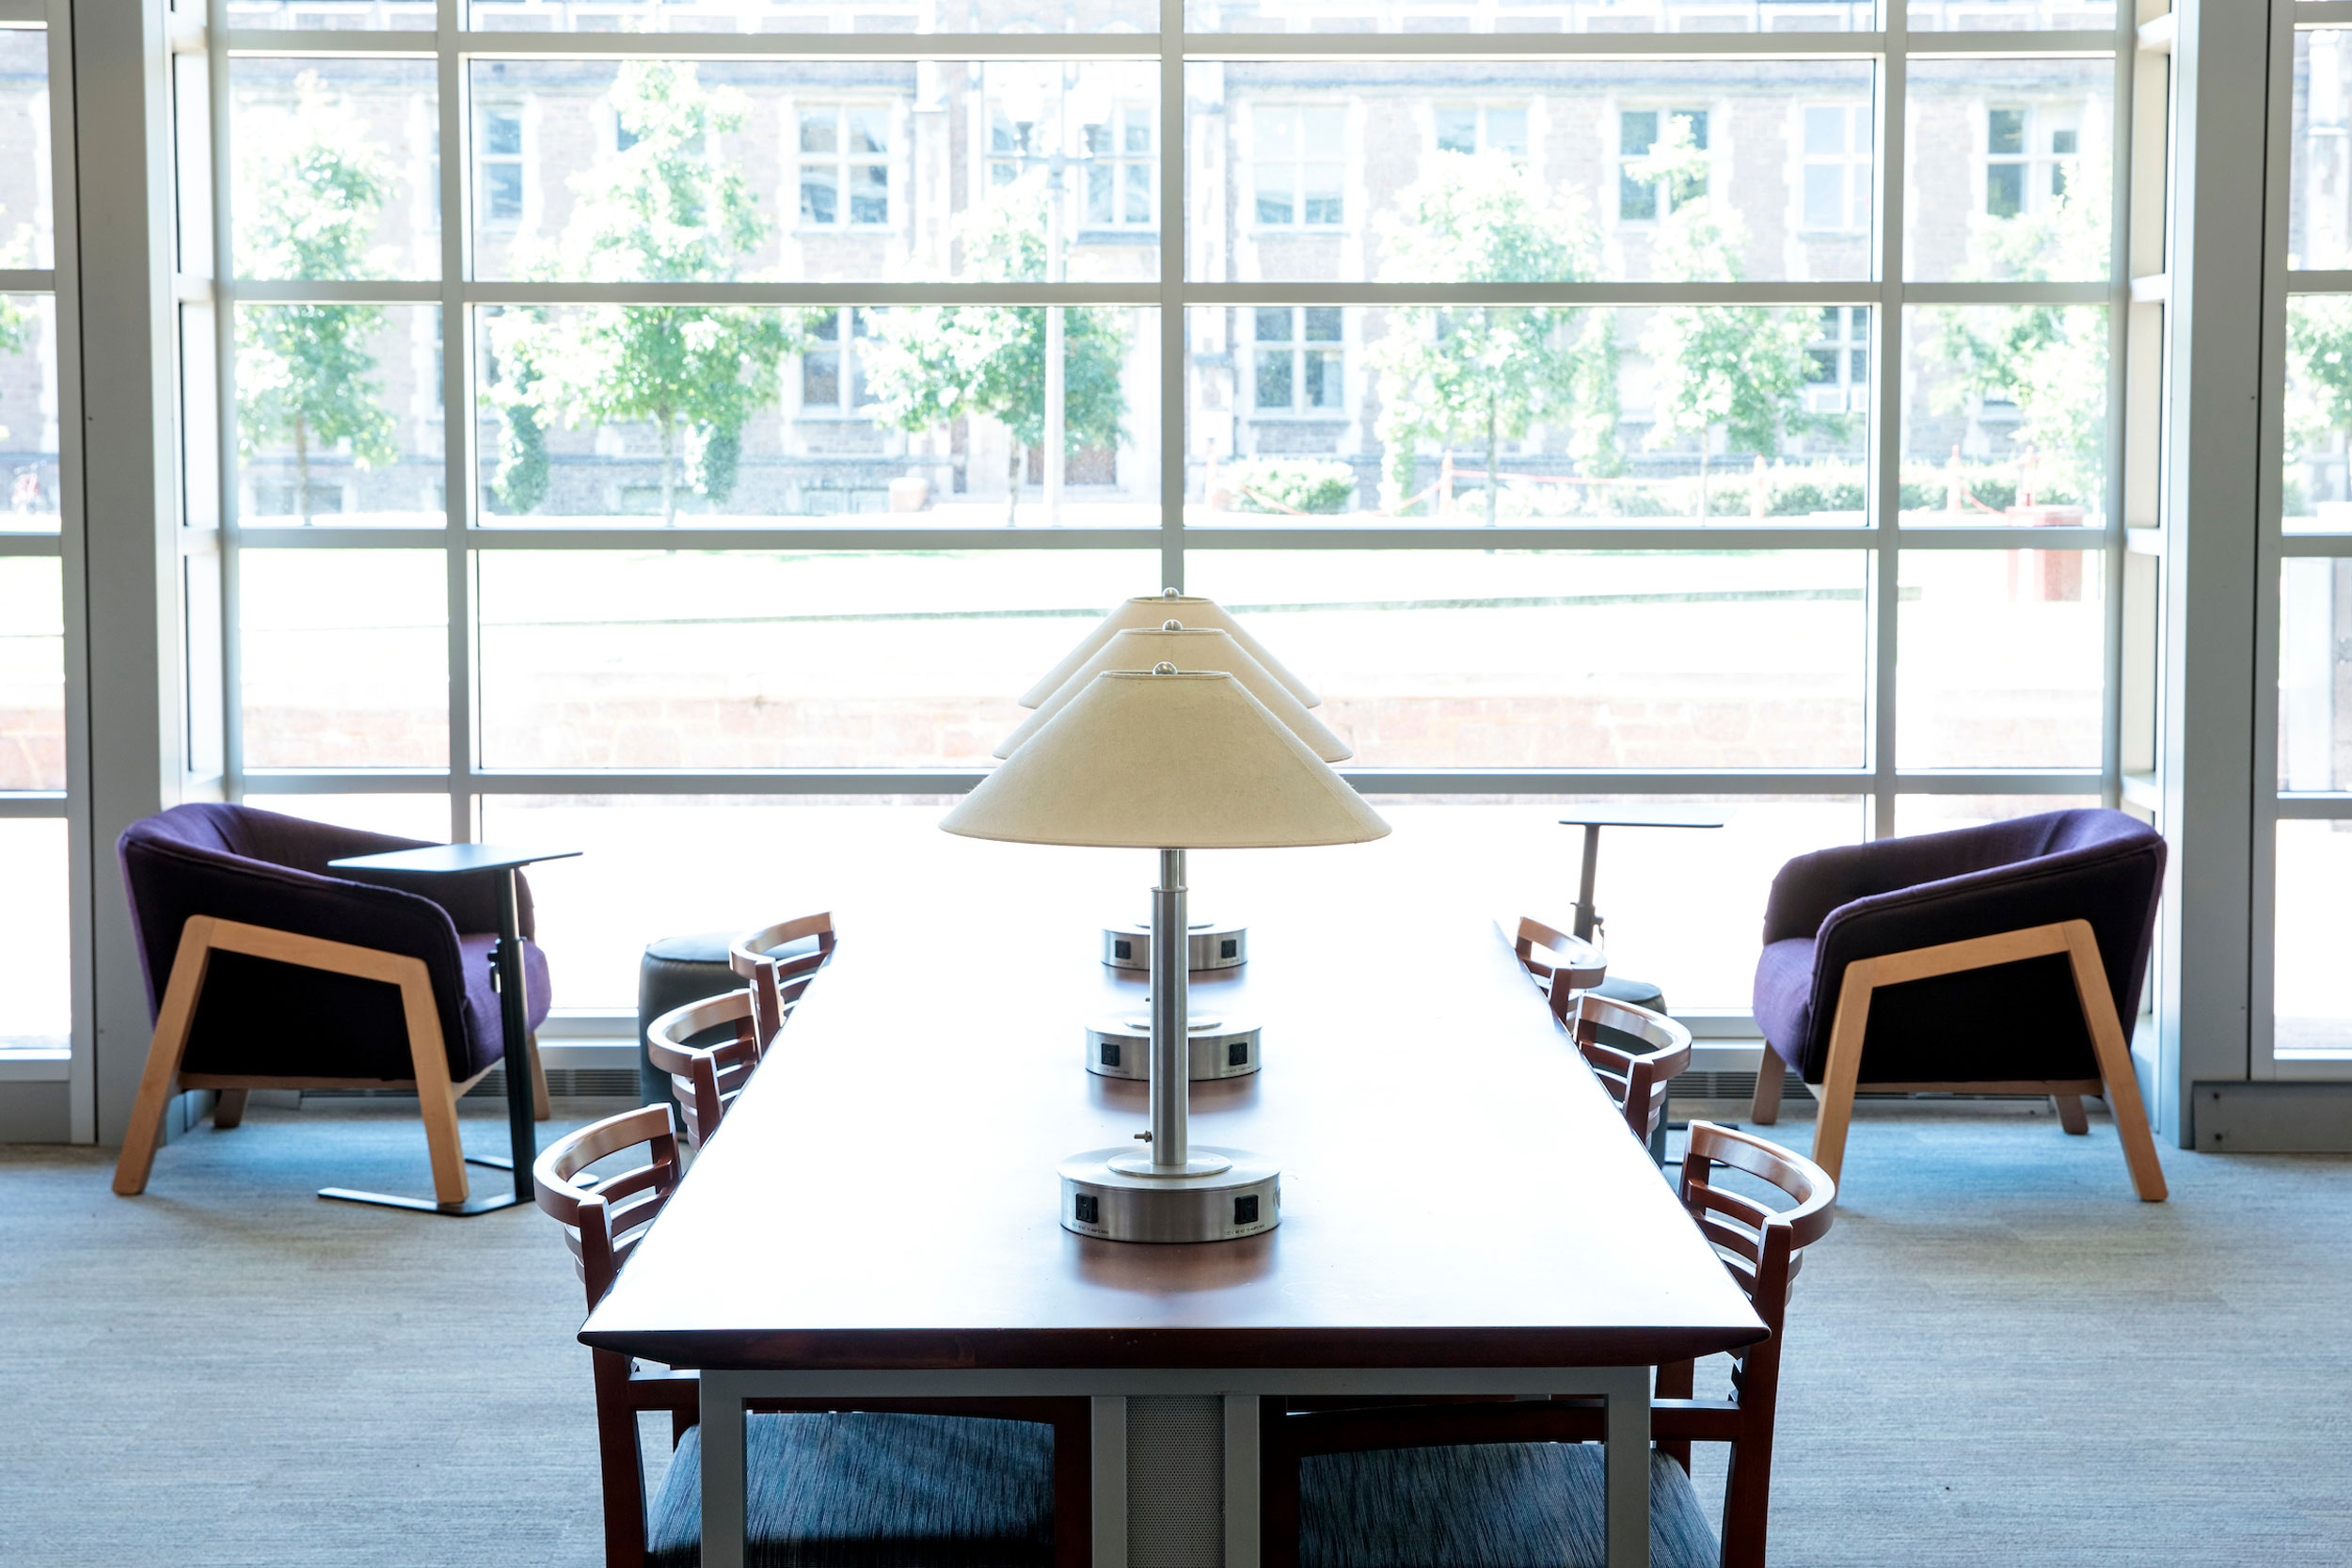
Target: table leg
[1110, 1481]
[724, 1487]
[514, 1025]
[1241, 1480]
[1626, 1456]
[1585, 915]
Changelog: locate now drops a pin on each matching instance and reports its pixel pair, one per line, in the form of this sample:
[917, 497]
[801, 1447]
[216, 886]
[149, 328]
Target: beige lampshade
[1149, 611]
[1176, 761]
[1188, 648]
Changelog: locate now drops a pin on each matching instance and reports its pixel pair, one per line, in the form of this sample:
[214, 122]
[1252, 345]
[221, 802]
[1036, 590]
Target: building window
[2030, 159]
[832, 380]
[1464, 127]
[1119, 171]
[501, 164]
[845, 165]
[1300, 155]
[1837, 181]
[1838, 363]
[1300, 363]
[1642, 198]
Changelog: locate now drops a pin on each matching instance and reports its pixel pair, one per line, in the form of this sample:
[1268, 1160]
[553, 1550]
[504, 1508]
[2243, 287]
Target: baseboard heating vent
[1733, 1086]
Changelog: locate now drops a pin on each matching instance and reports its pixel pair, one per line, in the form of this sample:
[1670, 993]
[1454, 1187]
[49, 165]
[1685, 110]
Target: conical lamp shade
[1188, 761]
[1150, 610]
[1188, 648]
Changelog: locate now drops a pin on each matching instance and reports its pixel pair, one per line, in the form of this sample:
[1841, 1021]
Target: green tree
[16, 319]
[2049, 361]
[657, 208]
[306, 205]
[1489, 372]
[935, 363]
[1738, 367]
[2319, 371]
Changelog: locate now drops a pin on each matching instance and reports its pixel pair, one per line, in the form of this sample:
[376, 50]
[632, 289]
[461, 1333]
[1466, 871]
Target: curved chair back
[604, 1217]
[1636, 1079]
[708, 1077]
[1562, 966]
[777, 983]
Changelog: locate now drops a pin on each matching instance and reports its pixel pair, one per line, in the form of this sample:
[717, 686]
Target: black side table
[513, 1005]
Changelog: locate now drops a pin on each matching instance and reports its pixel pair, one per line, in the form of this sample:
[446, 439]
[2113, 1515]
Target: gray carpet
[1997, 1357]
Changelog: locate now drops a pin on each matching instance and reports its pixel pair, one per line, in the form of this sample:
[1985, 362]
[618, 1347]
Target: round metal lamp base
[1208, 945]
[1099, 1198]
[1219, 1047]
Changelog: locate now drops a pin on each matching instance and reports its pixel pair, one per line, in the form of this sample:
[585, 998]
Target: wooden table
[878, 1216]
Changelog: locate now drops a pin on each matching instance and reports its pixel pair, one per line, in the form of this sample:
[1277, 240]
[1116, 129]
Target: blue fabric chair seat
[871, 1490]
[1495, 1505]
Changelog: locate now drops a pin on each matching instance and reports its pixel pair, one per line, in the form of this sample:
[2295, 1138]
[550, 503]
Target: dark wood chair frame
[1564, 975]
[1763, 1249]
[2117, 1083]
[437, 1093]
[707, 1078]
[776, 984]
[604, 1218]
[1636, 1080]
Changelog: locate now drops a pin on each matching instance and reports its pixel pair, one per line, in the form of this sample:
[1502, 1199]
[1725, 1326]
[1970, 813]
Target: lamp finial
[1163, 668]
[1171, 626]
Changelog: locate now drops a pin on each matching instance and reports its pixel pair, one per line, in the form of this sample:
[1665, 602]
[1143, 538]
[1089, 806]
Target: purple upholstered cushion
[261, 1017]
[2018, 1021]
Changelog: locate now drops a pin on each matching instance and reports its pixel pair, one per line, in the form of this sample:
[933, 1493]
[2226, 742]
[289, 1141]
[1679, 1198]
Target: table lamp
[1171, 761]
[1219, 1046]
[1149, 611]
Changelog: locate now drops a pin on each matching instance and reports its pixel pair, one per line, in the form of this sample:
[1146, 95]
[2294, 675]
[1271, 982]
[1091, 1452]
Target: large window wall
[42, 973]
[682, 431]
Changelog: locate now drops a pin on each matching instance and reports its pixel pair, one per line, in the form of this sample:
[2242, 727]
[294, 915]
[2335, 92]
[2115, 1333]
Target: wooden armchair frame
[436, 1094]
[1636, 1080]
[1574, 966]
[776, 984]
[1841, 1074]
[707, 1078]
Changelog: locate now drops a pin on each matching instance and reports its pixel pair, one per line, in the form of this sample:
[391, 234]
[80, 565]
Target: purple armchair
[2001, 958]
[264, 970]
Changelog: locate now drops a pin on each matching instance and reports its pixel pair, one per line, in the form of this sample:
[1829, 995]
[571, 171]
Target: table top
[1635, 819]
[1457, 1189]
[438, 858]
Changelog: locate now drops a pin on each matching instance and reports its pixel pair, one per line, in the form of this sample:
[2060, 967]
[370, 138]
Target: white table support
[1124, 1402]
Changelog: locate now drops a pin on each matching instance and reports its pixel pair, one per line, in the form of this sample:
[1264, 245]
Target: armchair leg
[1844, 1069]
[172, 1023]
[2070, 1114]
[2115, 1062]
[1770, 1073]
[229, 1109]
[539, 1111]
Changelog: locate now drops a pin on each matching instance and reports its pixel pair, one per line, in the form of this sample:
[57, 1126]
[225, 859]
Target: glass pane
[1984, 16]
[797, 16]
[1470, 658]
[1513, 857]
[32, 674]
[1379, 173]
[2004, 415]
[337, 168]
[346, 658]
[2319, 201]
[1936, 813]
[328, 15]
[2315, 674]
[28, 412]
[627, 415]
[28, 237]
[839, 171]
[2010, 176]
[36, 964]
[425, 817]
[712, 658]
[1531, 16]
[339, 416]
[1679, 416]
[2318, 481]
[2313, 987]
[1999, 660]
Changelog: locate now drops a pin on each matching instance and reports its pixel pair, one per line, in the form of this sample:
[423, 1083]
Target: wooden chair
[814, 1468]
[1563, 967]
[1405, 1481]
[707, 1078]
[777, 982]
[1635, 1078]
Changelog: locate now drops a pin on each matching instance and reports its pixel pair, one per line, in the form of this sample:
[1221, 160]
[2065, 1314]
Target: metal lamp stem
[1171, 975]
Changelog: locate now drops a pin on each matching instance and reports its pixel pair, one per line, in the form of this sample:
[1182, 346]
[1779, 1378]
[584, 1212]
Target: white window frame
[843, 163]
[1297, 165]
[518, 161]
[1297, 348]
[1851, 167]
[1661, 198]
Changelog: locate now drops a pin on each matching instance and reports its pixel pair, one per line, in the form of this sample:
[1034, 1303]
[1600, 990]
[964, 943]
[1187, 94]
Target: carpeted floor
[1997, 1357]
